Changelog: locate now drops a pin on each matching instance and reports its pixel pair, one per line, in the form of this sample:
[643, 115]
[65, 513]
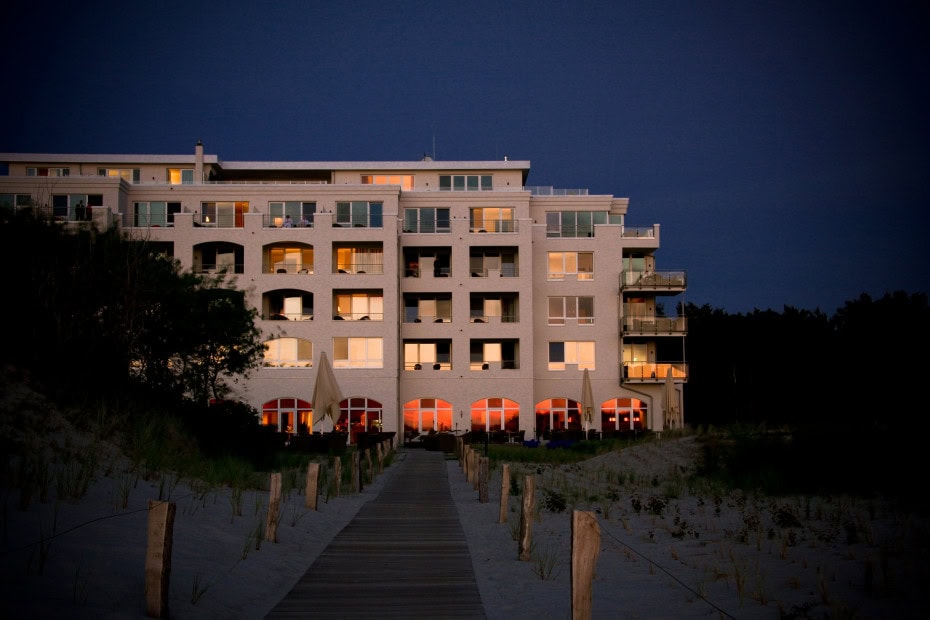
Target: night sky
[783, 146]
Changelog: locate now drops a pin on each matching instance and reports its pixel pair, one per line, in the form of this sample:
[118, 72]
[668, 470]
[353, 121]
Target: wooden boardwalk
[404, 555]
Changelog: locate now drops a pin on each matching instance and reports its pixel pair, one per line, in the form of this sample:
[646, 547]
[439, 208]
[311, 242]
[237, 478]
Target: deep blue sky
[783, 146]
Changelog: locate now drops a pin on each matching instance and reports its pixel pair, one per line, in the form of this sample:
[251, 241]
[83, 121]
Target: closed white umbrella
[326, 392]
[671, 400]
[587, 400]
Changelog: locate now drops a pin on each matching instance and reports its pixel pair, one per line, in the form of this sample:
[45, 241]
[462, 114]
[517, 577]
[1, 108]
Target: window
[567, 309]
[359, 415]
[576, 353]
[155, 213]
[557, 414]
[74, 206]
[15, 201]
[358, 353]
[623, 414]
[359, 214]
[223, 214]
[426, 414]
[287, 305]
[180, 176]
[429, 308]
[358, 306]
[491, 219]
[435, 354]
[495, 414]
[288, 353]
[482, 260]
[462, 183]
[281, 414]
[502, 353]
[301, 213]
[426, 220]
[130, 175]
[568, 264]
[361, 259]
[48, 172]
[577, 223]
[404, 180]
[289, 259]
[219, 257]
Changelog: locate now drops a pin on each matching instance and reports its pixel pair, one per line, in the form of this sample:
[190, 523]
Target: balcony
[655, 326]
[676, 281]
[278, 221]
[653, 372]
[495, 226]
[638, 232]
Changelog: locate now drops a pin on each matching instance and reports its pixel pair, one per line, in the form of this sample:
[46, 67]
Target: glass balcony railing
[655, 325]
[653, 372]
[653, 280]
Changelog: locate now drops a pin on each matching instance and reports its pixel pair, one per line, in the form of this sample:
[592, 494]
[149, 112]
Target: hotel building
[447, 295]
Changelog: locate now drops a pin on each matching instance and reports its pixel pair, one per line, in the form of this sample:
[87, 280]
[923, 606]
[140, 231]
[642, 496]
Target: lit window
[130, 175]
[359, 306]
[288, 353]
[492, 219]
[180, 176]
[358, 352]
[300, 213]
[575, 353]
[404, 180]
[571, 264]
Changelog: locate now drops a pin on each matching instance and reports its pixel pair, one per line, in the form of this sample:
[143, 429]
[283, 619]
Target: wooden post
[371, 467]
[337, 476]
[505, 492]
[468, 473]
[586, 543]
[158, 558]
[274, 508]
[526, 517]
[379, 452]
[313, 486]
[460, 451]
[483, 480]
[356, 473]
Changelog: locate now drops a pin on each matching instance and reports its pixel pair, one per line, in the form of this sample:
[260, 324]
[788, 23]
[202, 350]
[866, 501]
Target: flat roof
[52, 158]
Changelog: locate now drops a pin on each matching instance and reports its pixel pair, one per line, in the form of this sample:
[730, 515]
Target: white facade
[447, 290]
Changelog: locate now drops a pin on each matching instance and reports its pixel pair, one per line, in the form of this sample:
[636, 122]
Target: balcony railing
[653, 280]
[359, 268]
[300, 269]
[495, 226]
[359, 316]
[648, 232]
[653, 372]
[505, 271]
[655, 325]
[289, 316]
[211, 268]
[280, 221]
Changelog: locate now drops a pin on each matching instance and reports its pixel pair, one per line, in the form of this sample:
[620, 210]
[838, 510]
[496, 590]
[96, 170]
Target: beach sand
[665, 552]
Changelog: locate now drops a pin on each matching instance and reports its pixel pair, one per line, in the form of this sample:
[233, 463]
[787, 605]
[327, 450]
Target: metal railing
[359, 316]
[653, 279]
[280, 221]
[496, 226]
[654, 372]
[504, 271]
[655, 325]
[639, 231]
[359, 268]
[548, 190]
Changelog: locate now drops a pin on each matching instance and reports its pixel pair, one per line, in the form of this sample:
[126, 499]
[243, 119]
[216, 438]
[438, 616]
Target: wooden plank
[404, 555]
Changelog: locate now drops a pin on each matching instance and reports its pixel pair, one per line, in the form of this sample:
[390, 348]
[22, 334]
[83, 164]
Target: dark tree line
[862, 368]
[92, 314]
